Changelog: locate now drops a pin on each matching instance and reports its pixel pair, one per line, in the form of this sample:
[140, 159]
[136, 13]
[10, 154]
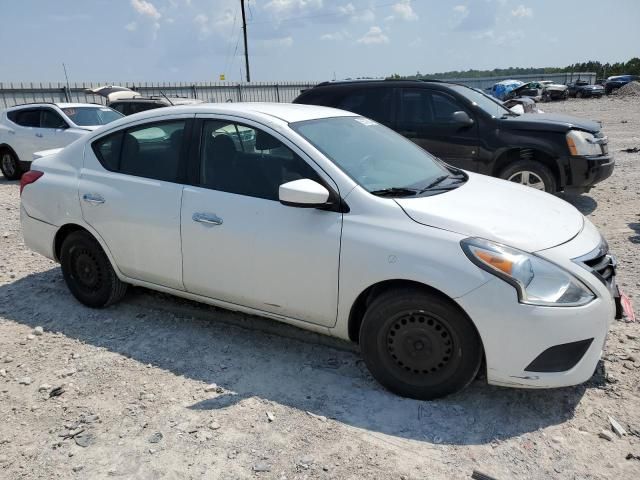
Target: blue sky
[197, 40]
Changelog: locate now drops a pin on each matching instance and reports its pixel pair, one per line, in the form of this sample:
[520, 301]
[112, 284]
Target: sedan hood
[498, 210]
[550, 122]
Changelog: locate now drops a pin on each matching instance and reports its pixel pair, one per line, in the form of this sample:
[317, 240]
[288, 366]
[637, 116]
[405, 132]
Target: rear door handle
[93, 198]
[39, 135]
[208, 218]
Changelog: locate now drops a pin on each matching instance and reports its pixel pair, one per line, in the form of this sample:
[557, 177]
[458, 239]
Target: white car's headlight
[537, 281]
[582, 143]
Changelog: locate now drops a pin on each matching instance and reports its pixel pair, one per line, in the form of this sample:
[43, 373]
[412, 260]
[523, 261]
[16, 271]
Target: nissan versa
[332, 222]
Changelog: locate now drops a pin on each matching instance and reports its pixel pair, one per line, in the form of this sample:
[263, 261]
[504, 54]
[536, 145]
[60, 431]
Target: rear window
[91, 116]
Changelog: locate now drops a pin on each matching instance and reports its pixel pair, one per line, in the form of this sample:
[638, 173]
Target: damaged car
[542, 91]
[582, 88]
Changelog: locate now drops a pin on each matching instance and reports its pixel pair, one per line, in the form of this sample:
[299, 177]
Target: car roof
[282, 112]
[57, 104]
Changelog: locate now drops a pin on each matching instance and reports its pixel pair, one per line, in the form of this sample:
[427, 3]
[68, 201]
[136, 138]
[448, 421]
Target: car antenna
[162, 93]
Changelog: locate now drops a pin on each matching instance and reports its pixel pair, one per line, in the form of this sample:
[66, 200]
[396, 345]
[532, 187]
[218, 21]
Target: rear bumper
[585, 172]
[38, 236]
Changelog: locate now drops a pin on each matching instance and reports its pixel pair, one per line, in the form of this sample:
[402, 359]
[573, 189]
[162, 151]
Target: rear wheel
[531, 174]
[10, 165]
[578, 94]
[88, 272]
[419, 345]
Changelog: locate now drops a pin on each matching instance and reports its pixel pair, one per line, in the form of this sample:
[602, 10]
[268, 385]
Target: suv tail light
[29, 177]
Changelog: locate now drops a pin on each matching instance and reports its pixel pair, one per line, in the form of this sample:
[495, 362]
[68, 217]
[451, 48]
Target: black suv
[471, 130]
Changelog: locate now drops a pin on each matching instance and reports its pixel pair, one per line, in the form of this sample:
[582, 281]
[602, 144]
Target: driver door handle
[93, 198]
[207, 218]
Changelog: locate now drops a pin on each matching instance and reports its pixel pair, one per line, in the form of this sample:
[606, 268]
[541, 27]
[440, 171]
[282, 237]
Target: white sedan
[329, 221]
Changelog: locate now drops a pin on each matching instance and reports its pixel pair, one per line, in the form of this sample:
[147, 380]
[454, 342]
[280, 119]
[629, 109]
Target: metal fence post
[239, 92]
[277, 93]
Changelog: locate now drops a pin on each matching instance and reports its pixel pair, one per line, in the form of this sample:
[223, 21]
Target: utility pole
[246, 50]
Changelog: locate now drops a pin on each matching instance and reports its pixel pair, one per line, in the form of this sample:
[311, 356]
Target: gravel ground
[157, 387]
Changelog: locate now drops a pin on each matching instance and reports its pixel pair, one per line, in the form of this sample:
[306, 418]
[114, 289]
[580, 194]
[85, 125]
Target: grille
[600, 263]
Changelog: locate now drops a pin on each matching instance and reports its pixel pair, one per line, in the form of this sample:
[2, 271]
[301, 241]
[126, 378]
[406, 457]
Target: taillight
[29, 177]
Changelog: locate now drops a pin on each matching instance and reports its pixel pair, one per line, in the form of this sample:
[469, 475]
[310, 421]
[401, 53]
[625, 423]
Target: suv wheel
[419, 345]
[10, 165]
[88, 272]
[579, 94]
[531, 174]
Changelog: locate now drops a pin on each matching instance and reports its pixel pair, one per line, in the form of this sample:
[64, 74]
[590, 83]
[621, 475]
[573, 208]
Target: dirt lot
[289, 404]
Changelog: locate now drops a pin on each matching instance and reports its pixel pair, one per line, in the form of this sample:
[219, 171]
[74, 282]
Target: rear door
[426, 118]
[375, 102]
[131, 190]
[25, 136]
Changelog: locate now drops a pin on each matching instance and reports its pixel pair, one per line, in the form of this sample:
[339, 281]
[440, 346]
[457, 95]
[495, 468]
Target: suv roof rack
[365, 80]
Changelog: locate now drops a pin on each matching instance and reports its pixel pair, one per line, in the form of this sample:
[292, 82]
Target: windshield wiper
[395, 192]
[437, 181]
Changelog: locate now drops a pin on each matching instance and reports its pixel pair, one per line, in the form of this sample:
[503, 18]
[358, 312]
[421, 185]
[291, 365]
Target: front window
[482, 101]
[91, 116]
[377, 158]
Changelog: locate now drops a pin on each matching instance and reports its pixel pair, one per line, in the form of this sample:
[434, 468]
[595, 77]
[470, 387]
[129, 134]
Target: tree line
[602, 70]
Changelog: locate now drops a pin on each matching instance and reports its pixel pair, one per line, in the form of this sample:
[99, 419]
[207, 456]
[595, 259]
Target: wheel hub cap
[419, 344]
[7, 164]
[529, 179]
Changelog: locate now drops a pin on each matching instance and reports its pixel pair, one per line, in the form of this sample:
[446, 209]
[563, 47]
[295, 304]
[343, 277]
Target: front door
[426, 118]
[240, 244]
[130, 192]
[54, 130]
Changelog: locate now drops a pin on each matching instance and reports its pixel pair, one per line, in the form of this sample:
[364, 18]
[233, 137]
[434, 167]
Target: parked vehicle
[274, 227]
[555, 91]
[614, 83]
[582, 88]
[543, 91]
[128, 102]
[469, 130]
[26, 129]
[501, 90]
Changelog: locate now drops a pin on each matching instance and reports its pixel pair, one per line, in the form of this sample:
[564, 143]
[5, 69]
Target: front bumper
[541, 347]
[586, 171]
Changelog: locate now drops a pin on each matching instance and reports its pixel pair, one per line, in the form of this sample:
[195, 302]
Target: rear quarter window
[107, 150]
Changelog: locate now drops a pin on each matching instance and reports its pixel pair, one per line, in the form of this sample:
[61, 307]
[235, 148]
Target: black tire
[520, 167]
[437, 350]
[88, 272]
[10, 166]
[578, 94]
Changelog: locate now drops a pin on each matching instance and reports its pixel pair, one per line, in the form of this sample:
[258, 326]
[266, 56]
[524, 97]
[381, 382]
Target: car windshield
[91, 116]
[377, 158]
[482, 101]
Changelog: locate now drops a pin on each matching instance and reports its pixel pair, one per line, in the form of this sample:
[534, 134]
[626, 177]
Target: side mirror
[462, 118]
[303, 193]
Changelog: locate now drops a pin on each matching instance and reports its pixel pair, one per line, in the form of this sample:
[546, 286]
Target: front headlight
[582, 143]
[537, 281]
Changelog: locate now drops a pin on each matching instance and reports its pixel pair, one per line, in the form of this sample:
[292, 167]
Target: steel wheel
[8, 165]
[529, 179]
[85, 270]
[420, 344]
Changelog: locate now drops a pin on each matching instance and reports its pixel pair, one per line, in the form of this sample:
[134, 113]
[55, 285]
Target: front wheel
[419, 345]
[88, 273]
[530, 174]
[10, 165]
[578, 94]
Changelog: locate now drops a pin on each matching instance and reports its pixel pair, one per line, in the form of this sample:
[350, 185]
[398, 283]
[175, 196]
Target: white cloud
[375, 36]
[271, 43]
[131, 27]
[202, 22]
[403, 11]
[522, 12]
[510, 37]
[146, 8]
[335, 36]
[289, 6]
[462, 10]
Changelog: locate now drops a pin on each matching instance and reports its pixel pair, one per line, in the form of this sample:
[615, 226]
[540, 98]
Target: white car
[329, 221]
[27, 129]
